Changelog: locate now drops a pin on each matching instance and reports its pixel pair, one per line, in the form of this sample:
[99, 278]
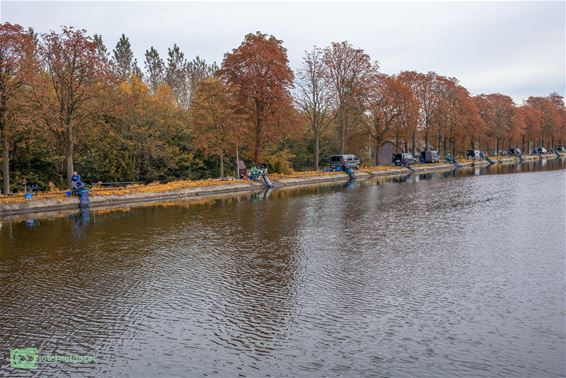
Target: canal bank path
[138, 194]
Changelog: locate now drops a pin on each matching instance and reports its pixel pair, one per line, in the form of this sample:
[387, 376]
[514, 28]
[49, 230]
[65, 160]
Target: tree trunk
[342, 135]
[414, 137]
[237, 159]
[316, 151]
[5, 148]
[258, 130]
[496, 146]
[69, 152]
[5, 161]
[222, 165]
[453, 147]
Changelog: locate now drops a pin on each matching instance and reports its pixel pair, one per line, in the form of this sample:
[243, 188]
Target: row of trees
[339, 86]
[67, 102]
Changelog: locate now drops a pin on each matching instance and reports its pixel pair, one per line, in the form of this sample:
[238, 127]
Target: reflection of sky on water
[369, 278]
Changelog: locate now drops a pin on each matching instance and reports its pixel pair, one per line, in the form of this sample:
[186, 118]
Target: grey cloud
[508, 47]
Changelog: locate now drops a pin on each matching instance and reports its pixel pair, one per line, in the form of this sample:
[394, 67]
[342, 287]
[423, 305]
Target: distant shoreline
[49, 205]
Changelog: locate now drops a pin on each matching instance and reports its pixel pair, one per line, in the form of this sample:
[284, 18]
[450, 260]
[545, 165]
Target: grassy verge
[376, 168]
[130, 189]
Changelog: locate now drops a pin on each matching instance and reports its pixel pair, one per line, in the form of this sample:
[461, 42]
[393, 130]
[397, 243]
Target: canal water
[452, 274]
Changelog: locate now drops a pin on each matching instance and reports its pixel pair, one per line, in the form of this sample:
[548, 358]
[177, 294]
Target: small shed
[386, 152]
[241, 168]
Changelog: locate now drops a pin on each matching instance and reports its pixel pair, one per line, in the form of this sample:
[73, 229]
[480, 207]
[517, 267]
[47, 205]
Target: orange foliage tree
[551, 113]
[386, 101]
[72, 86]
[498, 114]
[406, 128]
[531, 120]
[16, 61]
[258, 74]
[457, 119]
[425, 88]
[214, 119]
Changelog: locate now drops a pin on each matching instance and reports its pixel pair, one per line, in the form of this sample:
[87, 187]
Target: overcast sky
[515, 48]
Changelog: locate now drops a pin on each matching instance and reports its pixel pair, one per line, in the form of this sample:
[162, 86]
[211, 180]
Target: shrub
[280, 162]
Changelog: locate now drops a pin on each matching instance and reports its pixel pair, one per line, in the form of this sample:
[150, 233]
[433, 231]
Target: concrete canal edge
[100, 202]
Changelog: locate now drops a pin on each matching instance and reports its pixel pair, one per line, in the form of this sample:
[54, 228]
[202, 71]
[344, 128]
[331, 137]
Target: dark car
[429, 156]
[473, 154]
[540, 150]
[405, 158]
[344, 162]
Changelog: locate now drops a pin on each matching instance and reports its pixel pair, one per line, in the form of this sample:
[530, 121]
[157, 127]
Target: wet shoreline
[45, 206]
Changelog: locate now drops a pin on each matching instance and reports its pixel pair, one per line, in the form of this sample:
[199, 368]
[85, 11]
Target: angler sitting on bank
[256, 174]
[77, 183]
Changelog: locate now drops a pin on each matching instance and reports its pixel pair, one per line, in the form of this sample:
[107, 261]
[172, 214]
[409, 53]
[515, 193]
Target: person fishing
[76, 182]
[254, 173]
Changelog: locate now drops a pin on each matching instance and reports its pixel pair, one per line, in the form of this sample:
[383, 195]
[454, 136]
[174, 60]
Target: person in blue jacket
[76, 181]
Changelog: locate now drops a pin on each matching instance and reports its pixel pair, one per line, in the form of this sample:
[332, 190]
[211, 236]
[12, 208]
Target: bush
[280, 162]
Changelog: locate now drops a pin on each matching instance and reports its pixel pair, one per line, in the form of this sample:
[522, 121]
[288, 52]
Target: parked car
[515, 151]
[429, 156]
[540, 150]
[405, 158]
[344, 162]
[473, 154]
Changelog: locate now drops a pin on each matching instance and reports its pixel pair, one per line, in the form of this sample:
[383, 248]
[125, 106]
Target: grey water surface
[436, 275]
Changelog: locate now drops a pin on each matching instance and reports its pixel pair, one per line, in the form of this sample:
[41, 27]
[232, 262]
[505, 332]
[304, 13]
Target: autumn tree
[16, 53]
[349, 70]
[551, 110]
[214, 119]
[313, 96]
[258, 73]
[426, 89]
[467, 124]
[406, 127]
[385, 103]
[456, 117]
[531, 119]
[498, 114]
[70, 91]
[155, 69]
[559, 131]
